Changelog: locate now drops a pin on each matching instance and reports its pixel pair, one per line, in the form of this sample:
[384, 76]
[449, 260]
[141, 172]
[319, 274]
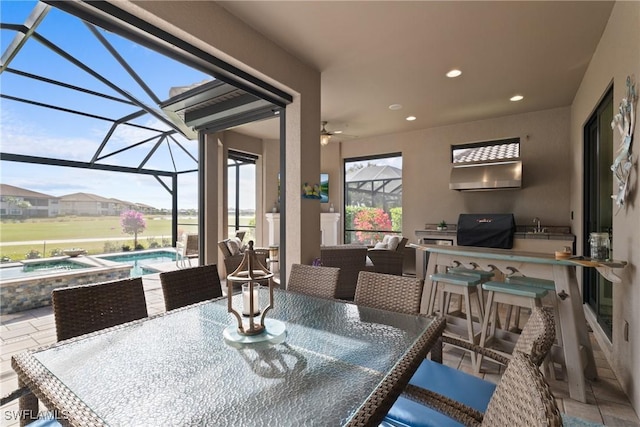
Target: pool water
[39, 268]
[139, 261]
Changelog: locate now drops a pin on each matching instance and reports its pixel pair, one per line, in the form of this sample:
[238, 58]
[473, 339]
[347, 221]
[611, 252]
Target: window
[373, 198]
[241, 194]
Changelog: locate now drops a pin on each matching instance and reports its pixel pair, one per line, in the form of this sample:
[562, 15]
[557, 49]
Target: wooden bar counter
[578, 353]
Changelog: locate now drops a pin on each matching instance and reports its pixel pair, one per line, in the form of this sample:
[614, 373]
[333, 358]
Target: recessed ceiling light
[515, 98]
[411, 118]
[337, 131]
[395, 107]
[454, 73]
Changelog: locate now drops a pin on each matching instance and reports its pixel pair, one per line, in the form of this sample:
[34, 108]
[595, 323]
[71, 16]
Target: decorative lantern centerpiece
[252, 326]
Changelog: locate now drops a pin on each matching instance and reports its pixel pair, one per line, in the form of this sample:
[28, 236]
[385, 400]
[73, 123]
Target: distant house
[16, 202]
[123, 206]
[89, 204]
[141, 207]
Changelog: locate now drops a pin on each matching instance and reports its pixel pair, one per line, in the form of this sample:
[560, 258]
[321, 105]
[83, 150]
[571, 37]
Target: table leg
[427, 289]
[28, 406]
[574, 332]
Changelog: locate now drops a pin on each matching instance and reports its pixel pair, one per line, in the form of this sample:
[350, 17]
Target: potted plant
[442, 225]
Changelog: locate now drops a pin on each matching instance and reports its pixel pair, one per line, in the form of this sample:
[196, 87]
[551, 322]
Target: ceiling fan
[325, 135]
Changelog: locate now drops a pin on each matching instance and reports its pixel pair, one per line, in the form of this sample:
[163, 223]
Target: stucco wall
[617, 56]
[544, 146]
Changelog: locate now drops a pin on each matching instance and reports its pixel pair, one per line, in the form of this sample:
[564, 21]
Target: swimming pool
[142, 262]
[29, 283]
[38, 268]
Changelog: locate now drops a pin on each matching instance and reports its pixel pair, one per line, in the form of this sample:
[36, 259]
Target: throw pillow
[380, 245]
[393, 243]
[234, 246]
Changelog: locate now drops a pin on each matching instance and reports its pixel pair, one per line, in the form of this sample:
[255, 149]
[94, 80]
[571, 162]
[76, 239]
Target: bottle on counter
[600, 246]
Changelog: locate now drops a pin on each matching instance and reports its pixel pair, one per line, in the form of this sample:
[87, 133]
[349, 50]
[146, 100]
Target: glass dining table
[340, 364]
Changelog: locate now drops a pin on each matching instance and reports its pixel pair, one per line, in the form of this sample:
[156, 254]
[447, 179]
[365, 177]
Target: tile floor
[607, 403]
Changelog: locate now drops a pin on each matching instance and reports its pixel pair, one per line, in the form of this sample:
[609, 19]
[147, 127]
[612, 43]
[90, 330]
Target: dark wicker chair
[79, 310]
[232, 262]
[312, 280]
[388, 261]
[447, 384]
[190, 285]
[351, 260]
[389, 292]
[522, 398]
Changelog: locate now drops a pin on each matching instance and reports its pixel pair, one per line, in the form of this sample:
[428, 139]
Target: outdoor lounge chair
[233, 254]
[388, 261]
[186, 249]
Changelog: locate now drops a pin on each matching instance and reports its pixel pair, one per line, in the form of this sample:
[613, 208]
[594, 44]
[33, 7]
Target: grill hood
[486, 176]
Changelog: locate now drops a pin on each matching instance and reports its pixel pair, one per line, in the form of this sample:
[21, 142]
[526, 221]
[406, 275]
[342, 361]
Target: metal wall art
[625, 122]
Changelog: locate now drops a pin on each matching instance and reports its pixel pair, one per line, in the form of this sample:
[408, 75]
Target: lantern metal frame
[250, 271]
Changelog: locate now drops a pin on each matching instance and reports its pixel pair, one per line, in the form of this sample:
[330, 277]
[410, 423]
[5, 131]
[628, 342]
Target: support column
[211, 197]
[302, 216]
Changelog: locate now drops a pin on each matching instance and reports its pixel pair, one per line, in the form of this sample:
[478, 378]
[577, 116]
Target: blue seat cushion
[449, 382]
[44, 422]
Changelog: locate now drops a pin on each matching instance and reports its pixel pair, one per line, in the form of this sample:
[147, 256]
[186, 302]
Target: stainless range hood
[486, 176]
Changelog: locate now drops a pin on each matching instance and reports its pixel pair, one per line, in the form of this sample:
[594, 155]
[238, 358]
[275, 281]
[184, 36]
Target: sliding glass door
[598, 205]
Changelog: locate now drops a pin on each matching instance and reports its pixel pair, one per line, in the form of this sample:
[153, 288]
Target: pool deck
[606, 401]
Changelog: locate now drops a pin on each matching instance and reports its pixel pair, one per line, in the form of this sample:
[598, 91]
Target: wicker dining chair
[389, 292]
[79, 310]
[351, 260]
[190, 285]
[449, 384]
[522, 398]
[312, 280]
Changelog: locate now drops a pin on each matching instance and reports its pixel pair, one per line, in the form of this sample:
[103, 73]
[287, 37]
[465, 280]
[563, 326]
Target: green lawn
[80, 228]
[44, 230]
[69, 228]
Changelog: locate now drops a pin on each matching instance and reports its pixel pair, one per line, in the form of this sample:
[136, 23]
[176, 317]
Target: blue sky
[32, 130]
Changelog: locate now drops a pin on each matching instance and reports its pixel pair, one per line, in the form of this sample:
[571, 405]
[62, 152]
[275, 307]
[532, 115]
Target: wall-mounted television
[324, 188]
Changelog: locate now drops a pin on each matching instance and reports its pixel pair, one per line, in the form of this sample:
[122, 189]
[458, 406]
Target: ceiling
[376, 53]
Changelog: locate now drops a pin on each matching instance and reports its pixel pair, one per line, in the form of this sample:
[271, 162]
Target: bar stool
[551, 300]
[458, 268]
[464, 285]
[516, 295]
[484, 275]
